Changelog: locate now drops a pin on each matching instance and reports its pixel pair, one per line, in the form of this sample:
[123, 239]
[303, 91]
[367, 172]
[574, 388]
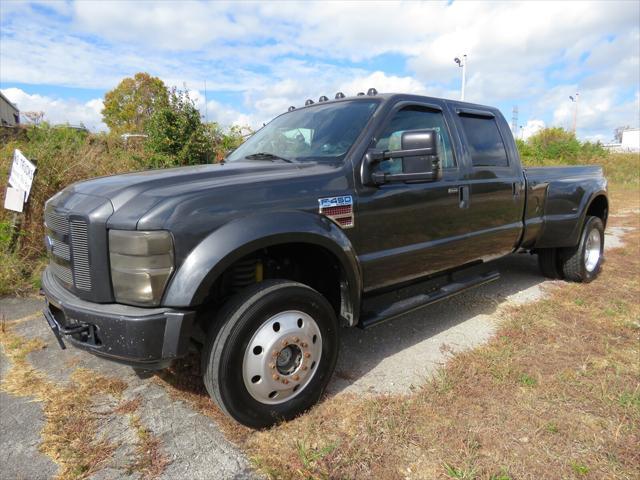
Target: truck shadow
[396, 356]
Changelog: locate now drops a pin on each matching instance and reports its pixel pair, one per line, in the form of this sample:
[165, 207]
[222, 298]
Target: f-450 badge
[338, 209]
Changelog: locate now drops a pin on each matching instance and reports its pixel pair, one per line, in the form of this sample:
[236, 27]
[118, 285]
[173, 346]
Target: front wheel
[583, 263]
[272, 354]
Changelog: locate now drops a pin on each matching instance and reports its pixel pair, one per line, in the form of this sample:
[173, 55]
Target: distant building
[9, 113]
[630, 141]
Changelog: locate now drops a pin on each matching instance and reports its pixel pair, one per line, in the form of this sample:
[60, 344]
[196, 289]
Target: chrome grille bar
[80, 251]
[56, 222]
[63, 273]
[60, 249]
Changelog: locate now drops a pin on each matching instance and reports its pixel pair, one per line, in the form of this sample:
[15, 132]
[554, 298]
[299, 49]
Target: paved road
[195, 444]
[391, 357]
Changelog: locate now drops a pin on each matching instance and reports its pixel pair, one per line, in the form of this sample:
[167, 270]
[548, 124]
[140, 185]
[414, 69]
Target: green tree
[129, 106]
[177, 134]
[225, 141]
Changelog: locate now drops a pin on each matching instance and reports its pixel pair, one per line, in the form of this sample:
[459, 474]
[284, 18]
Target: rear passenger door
[495, 196]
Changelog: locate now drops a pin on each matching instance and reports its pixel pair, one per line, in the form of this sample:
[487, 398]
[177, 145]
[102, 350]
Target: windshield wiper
[266, 156]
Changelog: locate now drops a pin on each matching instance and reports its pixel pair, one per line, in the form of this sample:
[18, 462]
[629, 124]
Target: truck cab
[321, 220]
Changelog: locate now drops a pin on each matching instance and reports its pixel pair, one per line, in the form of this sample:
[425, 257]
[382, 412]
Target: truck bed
[556, 203]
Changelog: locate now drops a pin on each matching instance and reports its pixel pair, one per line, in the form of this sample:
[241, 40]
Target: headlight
[141, 264]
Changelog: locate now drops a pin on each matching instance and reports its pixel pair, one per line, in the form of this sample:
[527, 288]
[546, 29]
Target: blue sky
[258, 58]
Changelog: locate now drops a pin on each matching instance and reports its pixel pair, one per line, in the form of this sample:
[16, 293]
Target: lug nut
[285, 381]
[307, 354]
[304, 367]
[274, 354]
[296, 377]
[272, 366]
[303, 345]
[285, 343]
[296, 339]
[276, 377]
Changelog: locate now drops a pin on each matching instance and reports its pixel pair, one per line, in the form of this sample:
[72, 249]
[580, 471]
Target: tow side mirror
[419, 151]
[427, 142]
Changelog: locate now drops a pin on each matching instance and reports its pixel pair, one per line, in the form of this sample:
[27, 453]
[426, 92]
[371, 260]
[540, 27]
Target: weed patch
[71, 435]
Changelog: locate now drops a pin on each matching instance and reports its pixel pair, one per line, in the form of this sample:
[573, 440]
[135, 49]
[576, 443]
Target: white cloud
[531, 128]
[600, 110]
[172, 26]
[279, 53]
[384, 83]
[266, 102]
[58, 111]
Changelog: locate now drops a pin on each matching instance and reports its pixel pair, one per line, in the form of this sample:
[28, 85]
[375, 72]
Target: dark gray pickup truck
[344, 212]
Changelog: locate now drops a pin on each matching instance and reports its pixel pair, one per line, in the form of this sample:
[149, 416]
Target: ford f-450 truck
[344, 212]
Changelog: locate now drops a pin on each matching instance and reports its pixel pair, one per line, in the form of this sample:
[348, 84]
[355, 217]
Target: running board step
[411, 304]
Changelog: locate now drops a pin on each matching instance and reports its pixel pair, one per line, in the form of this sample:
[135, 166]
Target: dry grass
[555, 394]
[71, 435]
[150, 460]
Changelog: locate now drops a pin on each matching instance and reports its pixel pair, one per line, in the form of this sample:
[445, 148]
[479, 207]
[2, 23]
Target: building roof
[11, 104]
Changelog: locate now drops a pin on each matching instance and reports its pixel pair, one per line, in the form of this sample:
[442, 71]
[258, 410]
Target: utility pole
[514, 121]
[575, 111]
[462, 64]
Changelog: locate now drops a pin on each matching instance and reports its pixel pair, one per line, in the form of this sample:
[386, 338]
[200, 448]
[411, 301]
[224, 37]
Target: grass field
[556, 394]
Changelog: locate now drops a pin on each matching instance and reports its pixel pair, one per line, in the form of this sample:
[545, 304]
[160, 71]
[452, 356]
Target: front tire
[583, 263]
[272, 352]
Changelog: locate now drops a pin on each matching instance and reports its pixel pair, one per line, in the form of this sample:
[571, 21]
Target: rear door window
[485, 142]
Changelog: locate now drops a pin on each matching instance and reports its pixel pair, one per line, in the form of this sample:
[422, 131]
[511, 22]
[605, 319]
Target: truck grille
[68, 245]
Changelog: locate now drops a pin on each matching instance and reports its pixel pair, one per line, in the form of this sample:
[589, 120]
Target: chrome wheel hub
[592, 250]
[282, 357]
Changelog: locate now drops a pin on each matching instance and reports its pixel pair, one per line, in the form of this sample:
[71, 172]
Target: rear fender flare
[193, 280]
[584, 208]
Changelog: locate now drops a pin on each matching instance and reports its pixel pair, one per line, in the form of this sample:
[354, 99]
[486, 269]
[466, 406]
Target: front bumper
[141, 337]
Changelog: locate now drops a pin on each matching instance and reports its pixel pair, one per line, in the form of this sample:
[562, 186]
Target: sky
[257, 59]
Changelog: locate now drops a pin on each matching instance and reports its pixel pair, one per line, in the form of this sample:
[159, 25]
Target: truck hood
[120, 189]
[134, 194]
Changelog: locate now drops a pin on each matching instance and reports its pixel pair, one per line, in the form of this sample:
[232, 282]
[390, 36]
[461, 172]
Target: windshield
[320, 132]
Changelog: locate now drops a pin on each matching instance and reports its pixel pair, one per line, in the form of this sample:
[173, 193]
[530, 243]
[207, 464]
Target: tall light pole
[462, 64]
[575, 110]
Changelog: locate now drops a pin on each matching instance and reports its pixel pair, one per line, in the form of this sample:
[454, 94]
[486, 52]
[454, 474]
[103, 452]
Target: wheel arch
[598, 207]
[215, 254]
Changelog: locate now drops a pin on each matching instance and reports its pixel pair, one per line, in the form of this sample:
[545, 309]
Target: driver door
[407, 228]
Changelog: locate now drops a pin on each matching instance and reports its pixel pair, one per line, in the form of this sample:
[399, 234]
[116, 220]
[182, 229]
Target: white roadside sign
[22, 172]
[14, 200]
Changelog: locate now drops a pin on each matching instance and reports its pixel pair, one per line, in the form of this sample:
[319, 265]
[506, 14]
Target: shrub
[177, 135]
[558, 146]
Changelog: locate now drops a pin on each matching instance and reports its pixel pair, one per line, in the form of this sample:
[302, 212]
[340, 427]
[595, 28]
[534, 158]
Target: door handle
[516, 189]
[463, 196]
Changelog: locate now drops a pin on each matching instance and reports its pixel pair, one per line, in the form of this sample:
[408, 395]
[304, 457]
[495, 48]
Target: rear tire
[550, 263]
[584, 262]
[259, 374]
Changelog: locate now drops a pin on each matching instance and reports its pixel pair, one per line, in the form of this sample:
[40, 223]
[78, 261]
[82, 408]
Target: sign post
[20, 181]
